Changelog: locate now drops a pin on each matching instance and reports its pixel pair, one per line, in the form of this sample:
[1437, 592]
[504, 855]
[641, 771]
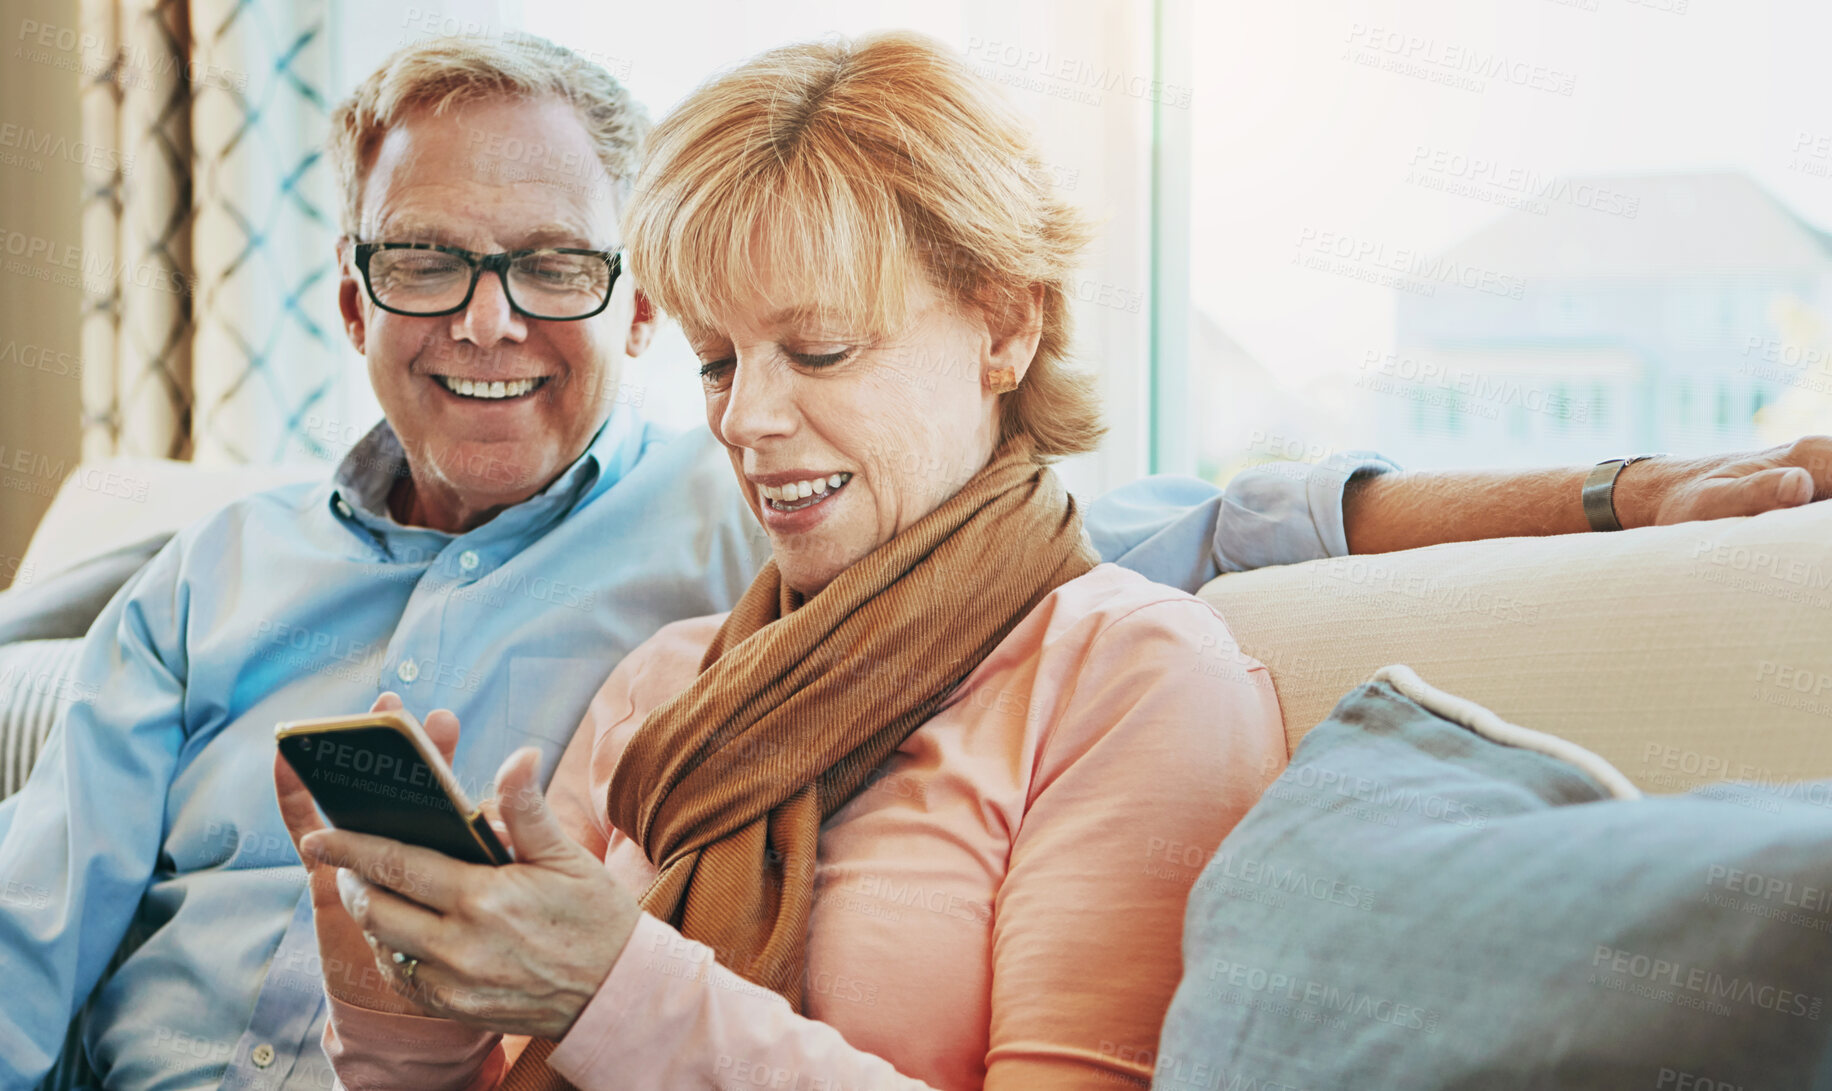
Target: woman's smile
[793, 501]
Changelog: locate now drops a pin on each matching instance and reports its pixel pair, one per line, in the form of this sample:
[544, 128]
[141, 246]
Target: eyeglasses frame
[480, 264]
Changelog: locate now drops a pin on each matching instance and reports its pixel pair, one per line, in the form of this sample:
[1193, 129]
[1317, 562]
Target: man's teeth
[513, 388]
[796, 491]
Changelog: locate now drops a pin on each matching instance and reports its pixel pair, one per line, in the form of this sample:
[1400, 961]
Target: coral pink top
[1001, 907]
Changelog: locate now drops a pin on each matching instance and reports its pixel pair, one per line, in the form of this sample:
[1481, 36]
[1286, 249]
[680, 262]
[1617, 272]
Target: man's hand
[1407, 510]
[517, 949]
[1678, 490]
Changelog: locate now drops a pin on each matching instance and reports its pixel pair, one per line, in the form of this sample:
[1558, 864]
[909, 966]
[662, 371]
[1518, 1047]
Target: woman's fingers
[387, 702]
[425, 876]
[535, 835]
[493, 814]
[296, 807]
[391, 920]
[442, 727]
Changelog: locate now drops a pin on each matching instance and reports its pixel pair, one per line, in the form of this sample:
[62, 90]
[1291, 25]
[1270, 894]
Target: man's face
[490, 176]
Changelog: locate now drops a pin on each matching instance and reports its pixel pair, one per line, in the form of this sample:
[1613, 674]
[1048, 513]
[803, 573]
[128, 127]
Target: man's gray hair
[440, 72]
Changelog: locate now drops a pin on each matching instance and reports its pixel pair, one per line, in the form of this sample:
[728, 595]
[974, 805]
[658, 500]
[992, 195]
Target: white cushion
[1681, 654]
[108, 504]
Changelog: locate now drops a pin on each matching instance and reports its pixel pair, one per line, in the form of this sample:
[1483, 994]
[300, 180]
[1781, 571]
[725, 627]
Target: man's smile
[492, 389]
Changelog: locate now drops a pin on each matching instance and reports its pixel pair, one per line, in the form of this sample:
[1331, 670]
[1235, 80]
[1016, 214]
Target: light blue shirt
[145, 859]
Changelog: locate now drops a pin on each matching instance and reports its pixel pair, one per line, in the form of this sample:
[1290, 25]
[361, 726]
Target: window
[1514, 186]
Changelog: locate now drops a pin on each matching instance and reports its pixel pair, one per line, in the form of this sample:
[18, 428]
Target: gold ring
[408, 965]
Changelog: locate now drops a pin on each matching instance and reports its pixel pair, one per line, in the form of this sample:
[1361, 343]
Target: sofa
[1682, 655]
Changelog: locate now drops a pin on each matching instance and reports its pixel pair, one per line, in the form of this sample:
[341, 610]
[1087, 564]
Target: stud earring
[1002, 380]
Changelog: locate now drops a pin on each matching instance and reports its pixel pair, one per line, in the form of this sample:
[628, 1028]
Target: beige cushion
[1682, 654]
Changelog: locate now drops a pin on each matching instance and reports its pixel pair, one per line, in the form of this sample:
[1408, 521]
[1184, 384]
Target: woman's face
[841, 441]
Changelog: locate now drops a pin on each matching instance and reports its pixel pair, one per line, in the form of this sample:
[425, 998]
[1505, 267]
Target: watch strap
[1600, 492]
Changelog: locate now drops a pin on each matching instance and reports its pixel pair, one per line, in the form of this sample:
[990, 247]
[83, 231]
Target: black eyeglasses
[423, 280]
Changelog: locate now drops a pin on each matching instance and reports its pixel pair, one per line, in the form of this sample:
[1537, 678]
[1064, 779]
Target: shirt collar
[367, 475]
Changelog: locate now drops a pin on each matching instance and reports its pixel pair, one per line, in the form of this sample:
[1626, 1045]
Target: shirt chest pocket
[547, 698]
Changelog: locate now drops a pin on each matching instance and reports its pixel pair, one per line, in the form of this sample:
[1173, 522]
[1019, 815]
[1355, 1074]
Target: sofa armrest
[1683, 654]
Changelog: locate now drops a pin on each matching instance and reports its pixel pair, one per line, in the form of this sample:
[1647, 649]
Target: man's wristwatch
[1600, 492]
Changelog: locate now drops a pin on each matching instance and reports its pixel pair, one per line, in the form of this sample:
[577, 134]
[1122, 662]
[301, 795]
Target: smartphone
[380, 773]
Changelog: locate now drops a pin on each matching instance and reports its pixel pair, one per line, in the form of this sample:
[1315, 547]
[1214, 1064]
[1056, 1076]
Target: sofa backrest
[1683, 654]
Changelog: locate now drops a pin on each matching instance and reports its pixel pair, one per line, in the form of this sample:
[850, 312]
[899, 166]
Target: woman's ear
[1012, 343]
[643, 320]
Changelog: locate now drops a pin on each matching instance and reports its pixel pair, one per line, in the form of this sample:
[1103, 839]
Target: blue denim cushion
[1415, 906]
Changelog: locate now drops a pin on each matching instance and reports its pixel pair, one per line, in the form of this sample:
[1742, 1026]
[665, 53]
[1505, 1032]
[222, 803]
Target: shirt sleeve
[1183, 531]
[384, 1051]
[78, 843]
[1163, 736]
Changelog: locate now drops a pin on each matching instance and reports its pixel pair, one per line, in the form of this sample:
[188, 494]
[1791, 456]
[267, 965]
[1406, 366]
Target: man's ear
[643, 320]
[1013, 337]
[350, 296]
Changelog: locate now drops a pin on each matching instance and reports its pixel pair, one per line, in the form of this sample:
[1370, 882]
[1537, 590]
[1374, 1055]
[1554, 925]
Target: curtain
[210, 326]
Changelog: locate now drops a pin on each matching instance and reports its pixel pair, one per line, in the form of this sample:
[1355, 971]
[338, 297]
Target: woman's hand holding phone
[518, 949]
[355, 971]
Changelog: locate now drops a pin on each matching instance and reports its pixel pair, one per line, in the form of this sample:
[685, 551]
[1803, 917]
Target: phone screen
[373, 780]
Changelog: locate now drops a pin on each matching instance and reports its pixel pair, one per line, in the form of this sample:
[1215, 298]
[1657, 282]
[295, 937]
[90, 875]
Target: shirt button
[408, 670]
[467, 560]
[343, 507]
[262, 1056]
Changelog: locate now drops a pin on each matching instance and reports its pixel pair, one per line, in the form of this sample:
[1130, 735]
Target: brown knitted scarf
[798, 702]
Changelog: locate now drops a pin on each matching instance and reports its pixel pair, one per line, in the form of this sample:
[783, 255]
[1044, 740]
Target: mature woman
[925, 808]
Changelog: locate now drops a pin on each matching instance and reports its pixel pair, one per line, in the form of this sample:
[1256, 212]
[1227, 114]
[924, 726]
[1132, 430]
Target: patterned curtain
[210, 323]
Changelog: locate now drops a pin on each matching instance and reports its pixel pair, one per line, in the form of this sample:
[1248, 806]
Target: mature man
[494, 547]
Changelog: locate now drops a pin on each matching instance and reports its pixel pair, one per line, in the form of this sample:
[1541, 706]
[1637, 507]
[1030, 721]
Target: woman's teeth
[797, 495]
[512, 388]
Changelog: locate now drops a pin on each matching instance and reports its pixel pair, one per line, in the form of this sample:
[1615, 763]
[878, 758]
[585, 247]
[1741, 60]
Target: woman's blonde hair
[852, 166]
[439, 73]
